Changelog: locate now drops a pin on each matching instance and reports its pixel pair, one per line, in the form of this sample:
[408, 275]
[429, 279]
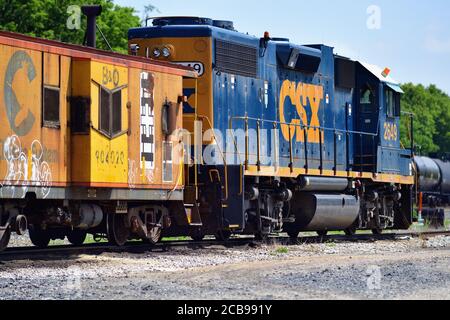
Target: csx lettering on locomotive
[302, 96]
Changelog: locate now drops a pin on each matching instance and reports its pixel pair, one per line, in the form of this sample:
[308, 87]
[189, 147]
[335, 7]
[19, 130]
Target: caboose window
[110, 112]
[105, 113]
[51, 107]
[116, 112]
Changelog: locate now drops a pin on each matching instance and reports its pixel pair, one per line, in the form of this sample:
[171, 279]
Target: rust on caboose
[80, 123]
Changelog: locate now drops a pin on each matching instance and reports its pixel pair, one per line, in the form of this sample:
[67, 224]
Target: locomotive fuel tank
[316, 212]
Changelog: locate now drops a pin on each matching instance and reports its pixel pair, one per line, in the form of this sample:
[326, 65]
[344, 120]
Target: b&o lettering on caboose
[302, 96]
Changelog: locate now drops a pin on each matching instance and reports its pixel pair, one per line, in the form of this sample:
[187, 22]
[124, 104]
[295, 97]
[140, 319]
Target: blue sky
[413, 39]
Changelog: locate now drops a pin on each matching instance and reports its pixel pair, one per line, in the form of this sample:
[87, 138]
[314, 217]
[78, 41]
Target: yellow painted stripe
[286, 172]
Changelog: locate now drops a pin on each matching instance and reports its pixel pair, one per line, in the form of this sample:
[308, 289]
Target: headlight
[166, 52]
[156, 53]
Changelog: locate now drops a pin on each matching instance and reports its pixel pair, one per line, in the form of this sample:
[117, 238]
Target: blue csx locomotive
[302, 139]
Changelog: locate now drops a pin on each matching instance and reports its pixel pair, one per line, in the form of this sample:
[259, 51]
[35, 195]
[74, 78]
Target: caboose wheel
[40, 238]
[76, 237]
[154, 236]
[117, 230]
[5, 239]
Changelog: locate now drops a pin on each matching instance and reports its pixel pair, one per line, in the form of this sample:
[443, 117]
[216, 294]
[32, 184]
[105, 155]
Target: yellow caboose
[86, 141]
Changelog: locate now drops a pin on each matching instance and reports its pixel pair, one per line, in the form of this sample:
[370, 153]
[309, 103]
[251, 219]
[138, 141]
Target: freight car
[433, 185]
[293, 137]
[85, 141]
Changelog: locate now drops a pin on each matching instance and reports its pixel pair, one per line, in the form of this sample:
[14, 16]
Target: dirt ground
[409, 269]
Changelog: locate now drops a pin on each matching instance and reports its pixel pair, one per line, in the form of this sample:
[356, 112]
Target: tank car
[287, 137]
[85, 141]
[433, 185]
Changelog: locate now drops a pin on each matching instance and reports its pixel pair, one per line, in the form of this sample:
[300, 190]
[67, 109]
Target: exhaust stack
[91, 12]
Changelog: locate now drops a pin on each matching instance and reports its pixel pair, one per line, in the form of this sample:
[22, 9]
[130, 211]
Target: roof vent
[224, 24]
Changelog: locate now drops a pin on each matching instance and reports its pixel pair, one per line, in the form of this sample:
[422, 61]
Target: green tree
[48, 19]
[431, 108]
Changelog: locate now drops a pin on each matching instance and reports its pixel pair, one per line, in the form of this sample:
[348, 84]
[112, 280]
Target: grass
[282, 250]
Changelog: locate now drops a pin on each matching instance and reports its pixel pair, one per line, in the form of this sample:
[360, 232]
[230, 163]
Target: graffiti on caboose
[147, 143]
[25, 168]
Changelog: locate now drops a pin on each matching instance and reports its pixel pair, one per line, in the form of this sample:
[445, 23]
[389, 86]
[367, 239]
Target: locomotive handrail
[203, 117]
[303, 127]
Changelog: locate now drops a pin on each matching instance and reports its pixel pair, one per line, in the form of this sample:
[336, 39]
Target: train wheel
[117, 230]
[154, 235]
[377, 231]
[261, 236]
[322, 233]
[293, 234]
[198, 237]
[40, 238]
[76, 237]
[223, 235]
[350, 231]
[5, 239]
[291, 230]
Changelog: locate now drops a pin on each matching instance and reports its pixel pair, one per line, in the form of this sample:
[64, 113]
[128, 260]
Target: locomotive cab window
[110, 122]
[392, 103]
[367, 100]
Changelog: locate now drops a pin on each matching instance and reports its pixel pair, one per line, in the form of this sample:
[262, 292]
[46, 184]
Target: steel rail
[56, 252]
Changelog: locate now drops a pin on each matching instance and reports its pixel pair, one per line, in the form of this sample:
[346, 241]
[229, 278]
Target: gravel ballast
[408, 269]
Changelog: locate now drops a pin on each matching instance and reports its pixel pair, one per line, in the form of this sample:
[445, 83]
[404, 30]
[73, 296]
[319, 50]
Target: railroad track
[30, 253]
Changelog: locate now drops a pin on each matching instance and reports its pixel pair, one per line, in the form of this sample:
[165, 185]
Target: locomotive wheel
[291, 230]
[76, 237]
[260, 236]
[5, 239]
[223, 235]
[377, 231]
[322, 233]
[293, 234]
[197, 235]
[40, 238]
[117, 230]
